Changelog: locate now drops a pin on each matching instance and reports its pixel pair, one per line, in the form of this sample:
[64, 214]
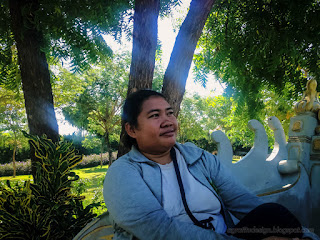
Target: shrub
[93, 160]
[22, 154]
[22, 168]
[77, 143]
[45, 209]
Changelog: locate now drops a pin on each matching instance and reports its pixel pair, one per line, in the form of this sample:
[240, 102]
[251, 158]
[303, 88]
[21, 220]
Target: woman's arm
[236, 197]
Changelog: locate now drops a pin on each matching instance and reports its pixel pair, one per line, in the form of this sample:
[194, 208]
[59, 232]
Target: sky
[167, 35]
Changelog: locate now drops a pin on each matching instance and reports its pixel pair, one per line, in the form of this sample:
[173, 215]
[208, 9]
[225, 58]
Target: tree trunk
[145, 32]
[107, 142]
[101, 152]
[176, 75]
[34, 70]
[109, 149]
[14, 156]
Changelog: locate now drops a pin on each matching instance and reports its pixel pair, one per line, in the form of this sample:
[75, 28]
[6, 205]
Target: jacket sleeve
[135, 209]
[237, 198]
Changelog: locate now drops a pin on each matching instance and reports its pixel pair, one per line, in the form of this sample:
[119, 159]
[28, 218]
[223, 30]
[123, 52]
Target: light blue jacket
[133, 196]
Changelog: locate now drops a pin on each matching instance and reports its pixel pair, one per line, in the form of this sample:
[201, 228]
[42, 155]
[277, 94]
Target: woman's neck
[162, 158]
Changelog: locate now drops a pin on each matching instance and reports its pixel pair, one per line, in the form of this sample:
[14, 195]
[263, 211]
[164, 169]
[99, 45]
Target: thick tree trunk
[34, 70]
[176, 75]
[145, 32]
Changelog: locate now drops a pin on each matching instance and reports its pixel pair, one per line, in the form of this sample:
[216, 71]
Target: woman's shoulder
[190, 149]
[193, 153]
[124, 161]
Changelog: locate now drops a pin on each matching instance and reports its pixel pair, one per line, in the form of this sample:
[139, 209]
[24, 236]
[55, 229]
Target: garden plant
[46, 208]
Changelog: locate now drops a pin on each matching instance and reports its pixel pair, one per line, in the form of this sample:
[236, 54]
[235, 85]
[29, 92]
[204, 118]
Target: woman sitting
[165, 190]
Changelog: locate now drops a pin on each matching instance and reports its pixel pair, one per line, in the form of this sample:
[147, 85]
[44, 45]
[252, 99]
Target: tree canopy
[251, 44]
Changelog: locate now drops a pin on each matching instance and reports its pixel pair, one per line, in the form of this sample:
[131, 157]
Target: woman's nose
[166, 123]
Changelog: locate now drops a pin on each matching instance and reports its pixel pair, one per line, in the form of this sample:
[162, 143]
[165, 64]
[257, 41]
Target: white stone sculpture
[291, 173]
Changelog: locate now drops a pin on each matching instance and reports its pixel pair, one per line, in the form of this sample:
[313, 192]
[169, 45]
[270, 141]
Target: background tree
[191, 119]
[98, 108]
[12, 121]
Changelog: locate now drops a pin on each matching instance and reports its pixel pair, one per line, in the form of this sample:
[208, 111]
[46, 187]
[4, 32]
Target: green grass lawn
[89, 185]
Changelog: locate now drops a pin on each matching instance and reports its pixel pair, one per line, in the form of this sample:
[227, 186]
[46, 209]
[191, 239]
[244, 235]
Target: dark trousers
[269, 219]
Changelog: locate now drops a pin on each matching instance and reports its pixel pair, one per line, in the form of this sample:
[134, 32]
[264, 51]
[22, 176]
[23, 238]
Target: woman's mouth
[168, 133]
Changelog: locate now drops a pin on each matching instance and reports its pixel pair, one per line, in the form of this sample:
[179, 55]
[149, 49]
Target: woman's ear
[130, 130]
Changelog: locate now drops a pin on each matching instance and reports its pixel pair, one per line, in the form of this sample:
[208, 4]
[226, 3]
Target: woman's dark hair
[132, 108]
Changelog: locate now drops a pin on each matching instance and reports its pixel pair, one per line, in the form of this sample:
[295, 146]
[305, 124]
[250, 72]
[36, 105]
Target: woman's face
[157, 126]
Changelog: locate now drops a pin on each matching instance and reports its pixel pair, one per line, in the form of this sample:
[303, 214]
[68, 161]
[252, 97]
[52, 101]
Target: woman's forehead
[155, 102]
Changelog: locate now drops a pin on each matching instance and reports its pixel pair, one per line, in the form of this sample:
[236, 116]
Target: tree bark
[145, 32]
[176, 75]
[34, 70]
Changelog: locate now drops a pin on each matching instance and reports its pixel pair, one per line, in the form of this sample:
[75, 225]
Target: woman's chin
[166, 147]
[171, 142]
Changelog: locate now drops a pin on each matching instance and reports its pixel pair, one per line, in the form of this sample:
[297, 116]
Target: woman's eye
[154, 115]
[170, 113]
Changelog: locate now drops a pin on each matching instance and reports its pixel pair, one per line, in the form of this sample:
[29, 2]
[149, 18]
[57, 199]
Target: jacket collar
[189, 151]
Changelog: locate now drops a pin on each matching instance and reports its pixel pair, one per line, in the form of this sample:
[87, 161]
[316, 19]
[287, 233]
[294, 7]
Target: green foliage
[45, 209]
[253, 45]
[92, 189]
[9, 70]
[98, 108]
[190, 119]
[78, 142]
[13, 116]
[66, 85]
[72, 31]
[91, 142]
[13, 145]
[200, 115]
[22, 152]
[19, 212]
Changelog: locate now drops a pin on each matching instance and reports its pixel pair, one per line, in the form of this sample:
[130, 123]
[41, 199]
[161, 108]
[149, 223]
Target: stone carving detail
[297, 126]
[310, 99]
[316, 145]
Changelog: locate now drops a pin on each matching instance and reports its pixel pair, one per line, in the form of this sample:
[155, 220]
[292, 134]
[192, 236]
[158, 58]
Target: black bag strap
[204, 223]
